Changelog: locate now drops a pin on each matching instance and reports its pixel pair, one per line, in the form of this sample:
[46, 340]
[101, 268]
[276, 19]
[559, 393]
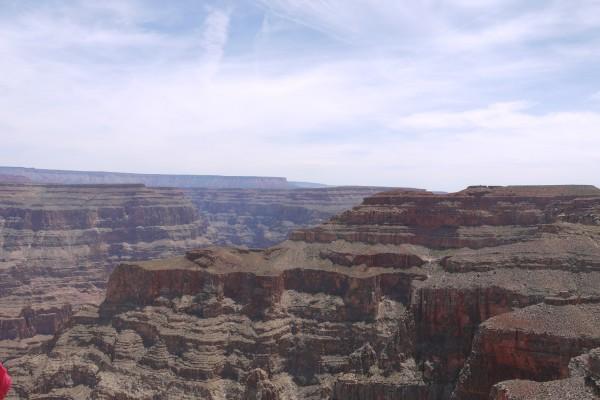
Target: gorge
[487, 293]
[58, 242]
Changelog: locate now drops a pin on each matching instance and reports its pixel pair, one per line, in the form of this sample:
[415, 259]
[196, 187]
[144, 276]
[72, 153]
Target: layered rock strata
[535, 343]
[582, 383]
[58, 244]
[221, 324]
[259, 218]
[410, 295]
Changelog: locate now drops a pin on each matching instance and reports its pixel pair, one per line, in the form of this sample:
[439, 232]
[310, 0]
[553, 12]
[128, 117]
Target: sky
[431, 94]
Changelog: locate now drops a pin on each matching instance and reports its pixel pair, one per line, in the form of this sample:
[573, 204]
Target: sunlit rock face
[410, 295]
[58, 244]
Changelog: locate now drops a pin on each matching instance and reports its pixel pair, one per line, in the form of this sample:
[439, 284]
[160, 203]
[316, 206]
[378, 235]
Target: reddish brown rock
[410, 295]
[245, 320]
[58, 243]
[476, 217]
[535, 343]
[582, 383]
[31, 322]
[260, 218]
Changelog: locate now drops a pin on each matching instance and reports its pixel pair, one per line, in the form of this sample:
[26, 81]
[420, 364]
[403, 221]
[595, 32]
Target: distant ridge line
[37, 175]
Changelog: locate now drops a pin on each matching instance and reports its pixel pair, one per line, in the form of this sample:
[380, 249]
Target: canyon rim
[491, 292]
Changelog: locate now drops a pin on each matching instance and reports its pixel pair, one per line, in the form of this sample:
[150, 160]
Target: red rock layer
[258, 293]
[535, 343]
[444, 221]
[410, 295]
[260, 218]
[58, 244]
[186, 325]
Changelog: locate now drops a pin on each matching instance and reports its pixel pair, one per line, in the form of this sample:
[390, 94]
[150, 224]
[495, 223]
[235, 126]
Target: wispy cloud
[367, 92]
[214, 35]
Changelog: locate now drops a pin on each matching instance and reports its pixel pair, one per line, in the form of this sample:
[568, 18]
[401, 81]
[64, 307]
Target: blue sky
[434, 94]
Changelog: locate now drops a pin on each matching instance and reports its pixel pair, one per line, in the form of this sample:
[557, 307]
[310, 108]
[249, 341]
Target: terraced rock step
[492, 291]
[59, 242]
[259, 218]
[535, 343]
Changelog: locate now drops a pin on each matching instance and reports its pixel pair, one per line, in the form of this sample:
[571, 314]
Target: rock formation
[492, 291]
[583, 383]
[259, 218]
[58, 244]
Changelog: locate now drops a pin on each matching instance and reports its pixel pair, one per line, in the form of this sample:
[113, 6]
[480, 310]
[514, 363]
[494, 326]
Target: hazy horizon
[417, 94]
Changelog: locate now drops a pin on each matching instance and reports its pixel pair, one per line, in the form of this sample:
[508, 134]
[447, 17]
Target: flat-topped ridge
[517, 191]
[59, 196]
[533, 190]
[182, 180]
[77, 185]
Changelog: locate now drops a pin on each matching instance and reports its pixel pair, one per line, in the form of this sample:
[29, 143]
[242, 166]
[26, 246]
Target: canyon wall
[59, 242]
[260, 218]
[491, 291]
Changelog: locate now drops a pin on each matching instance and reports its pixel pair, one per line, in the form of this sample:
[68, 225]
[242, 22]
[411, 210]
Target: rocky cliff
[259, 218]
[58, 244]
[582, 383]
[492, 291]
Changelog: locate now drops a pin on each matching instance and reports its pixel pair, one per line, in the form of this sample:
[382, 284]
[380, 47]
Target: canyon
[259, 218]
[487, 293]
[58, 242]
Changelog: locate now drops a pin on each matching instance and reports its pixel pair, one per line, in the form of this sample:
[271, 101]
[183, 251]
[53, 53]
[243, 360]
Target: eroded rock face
[535, 343]
[581, 383]
[408, 296]
[237, 324]
[259, 218]
[58, 243]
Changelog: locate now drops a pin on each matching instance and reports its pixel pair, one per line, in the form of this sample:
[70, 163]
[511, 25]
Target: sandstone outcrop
[410, 295]
[58, 243]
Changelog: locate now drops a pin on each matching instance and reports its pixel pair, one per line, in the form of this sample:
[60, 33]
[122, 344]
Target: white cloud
[214, 36]
[415, 95]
